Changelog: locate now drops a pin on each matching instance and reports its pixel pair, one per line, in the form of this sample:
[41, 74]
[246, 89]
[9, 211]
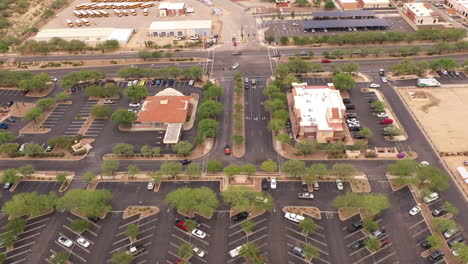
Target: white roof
[84, 34]
[420, 9]
[463, 172]
[169, 92]
[167, 5]
[180, 24]
[122, 35]
[172, 133]
[376, 1]
[315, 103]
[348, 1]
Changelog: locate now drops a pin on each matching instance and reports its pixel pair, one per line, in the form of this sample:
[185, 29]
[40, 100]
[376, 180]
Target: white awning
[172, 133]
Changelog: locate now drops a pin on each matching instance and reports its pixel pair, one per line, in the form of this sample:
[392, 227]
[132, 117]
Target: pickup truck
[305, 195]
[135, 250]
[108, 101]
[294, 217]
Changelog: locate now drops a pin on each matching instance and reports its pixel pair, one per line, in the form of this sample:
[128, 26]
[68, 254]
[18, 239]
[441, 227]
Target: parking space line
[127, 244]
[70, 251]
[299, 233]
[359, 250]
[19, 261]
[352, 234]
[355, 241]
[198, 239]
[302, 242]
[18, 254]
[418, 233]
[411, 227]
[386, 257]
[140, 227]
[126, 224]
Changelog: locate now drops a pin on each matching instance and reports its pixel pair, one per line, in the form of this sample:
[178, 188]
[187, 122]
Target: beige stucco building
[421, 14]
[374, 3]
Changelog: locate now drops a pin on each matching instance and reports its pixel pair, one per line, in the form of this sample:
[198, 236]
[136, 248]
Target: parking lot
[11, 93]
[443, 79]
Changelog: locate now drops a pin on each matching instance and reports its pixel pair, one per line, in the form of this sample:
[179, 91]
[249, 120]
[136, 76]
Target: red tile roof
[164, 109]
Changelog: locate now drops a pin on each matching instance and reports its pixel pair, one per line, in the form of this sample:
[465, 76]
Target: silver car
[235, 66]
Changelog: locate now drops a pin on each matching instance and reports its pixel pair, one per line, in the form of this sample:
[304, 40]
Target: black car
[438, 212]
[359, 244]
[264, 184]
[10, 103]
[298, 252]
[355, 128]
[458, 239]
[9, 120]
[357, 136]
[425, 244]
[93, 219]
[355, 226]
[163, 83]
[436, 256]
[185, 161]
[451, 73]
[304, 186]
[239, 217]
[346, 100]
[153, 82]
[373, 100]
[351, 115]
[288, 123]
[171, 82]
[349, 107]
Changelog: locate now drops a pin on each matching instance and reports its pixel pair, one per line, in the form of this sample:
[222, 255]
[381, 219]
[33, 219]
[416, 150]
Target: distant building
[374, 3]
[166, 111]
[348, 4]
[421, 14]
[90, 36]
[318, 112]
[461, 6]
[180, 28]
[171, 9]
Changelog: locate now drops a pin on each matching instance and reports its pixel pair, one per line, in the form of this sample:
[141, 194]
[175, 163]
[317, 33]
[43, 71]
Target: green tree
[310, 251]
[242, 198]
[207, 128]
[60, 141]
[101, 111]
[45, 103]
[182, 148]
[136, 92]
[88, 177]
[26, 170]
[293, 168]
[248, 226]
[10, 175]
[33, 114]
[307, 146]
[443, 64]
[133, 230]
[123, 149]
[430, 177]
[27, 204]
[441, 224]
[365, 132]
[193, 170]
[144, 54]
[209, 109]
[237, 139]
[61, 177]
[373, 204]
[122, 257]
[284, 40]
[308, 226]
[392, 130]
[33, 149]
[435, 241]
[378, 106]
[123, 117]
[369, 224]
[283, 138]
[462, 252]
[6, 137]
[343, 81]
[185, 251]
[60, 257]
[403, 167]
[62, 96]
[16, 226]
[109, 167]
[276, 125]
[360, 144]
[7, 239]
[249, 169]
[249, 251]
[132, 170]
[372, 243]
[80, 225]
[90, 203]
[213, 166]
[213, 92]
[349, 67]
[317, 170]
[451, 208]
[343, 170]
[171, 168]
[334, 149]
[202, 200]
[269, 166]
[232, 170]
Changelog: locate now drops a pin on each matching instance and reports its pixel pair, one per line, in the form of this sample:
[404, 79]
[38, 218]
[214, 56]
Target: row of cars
[5, 108]
[161, 82]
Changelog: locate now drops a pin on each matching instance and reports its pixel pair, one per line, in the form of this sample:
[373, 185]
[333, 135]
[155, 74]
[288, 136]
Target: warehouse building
[370, 4]
[461, 6]
[421, 14]
[171, 9]
[90, 36]
[356, 14]
[180, 28]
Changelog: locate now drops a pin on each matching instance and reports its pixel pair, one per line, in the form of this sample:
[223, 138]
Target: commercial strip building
[374, 3]
[421, 13]
[348, 4]
[317, 113]
[165, 111]
[461, 6]
[355, 14]
[171, 9]
[90, 36]
[180, 28]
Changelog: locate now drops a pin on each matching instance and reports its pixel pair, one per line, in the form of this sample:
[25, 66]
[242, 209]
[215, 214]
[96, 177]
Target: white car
[130, 83]
[339, 185]
[134, 104]
[109, 101]
[431, 197]
[306, 195]
[294, 217]
[382, 114]
[423, 163]
[191, 82]
[450, 19]
[53, 79]
[83, 242]
[65, 241]
[374, 85]
[235, 252]
[449, 233]
[198, 233]
[135, 82]
[194, 38]
[273, 183]
[151, 184]
[235, 66]
[199, 252]
[384, 79]
[415, 210]
[246, 80]
[177, 38]
[295, 24]
[254, 81]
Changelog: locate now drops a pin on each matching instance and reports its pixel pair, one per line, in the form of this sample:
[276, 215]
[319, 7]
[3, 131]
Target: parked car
[305, 195]
[181, 224]
[387, 121]
[9, 120]
[198, 233]
[298, 252]
[355, 226]
[339, 184]
[185, 161]
[374, 85]
[326, 61]
[171, 82]
[384, 80]
[93, 219]
[431, 197]
[235, 252]
[163, 82]
[194, 38]
[438, 212]
[346, 100]
[246, 80]
[21, 148]
[83, 242]
[273, 183]
[264, 184]
[358, 244]
[415, 210]
[177, 39]
[357, 136]
[423, 163]
[373, 100]
[150, 185]
[191, 82]
[4, 126]
[294, 217]
[235, 66]
[10, 103]
[7, 185]
[304, 186]
[199, 252]
[350, 107]
[158, 81]
[135, 250]
[237, 53]
[316, 186]
[351, 115]
[49, 148]
[153, 82]
[381, 72]
[383, 242]
[134, 105]
[239, 217]
[227, 150]
[458, 239]
[425, 244]
[378, 233]
[449, 233]
[109, 101]
[357, 128]
[65, 241]
[382, 115]
[436, 256]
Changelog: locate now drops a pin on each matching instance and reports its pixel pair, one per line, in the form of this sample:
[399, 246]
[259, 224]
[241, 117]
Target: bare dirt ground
[22, 21]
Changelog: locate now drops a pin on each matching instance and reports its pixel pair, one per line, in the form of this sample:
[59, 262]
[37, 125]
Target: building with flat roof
[165, 111]
[171, 9]
[90, 36]
[348, 4]
[461, 6]
[421, 14]
[374, 3]
[353, 14]
[180, 28]
[375, 23]
[318, 112]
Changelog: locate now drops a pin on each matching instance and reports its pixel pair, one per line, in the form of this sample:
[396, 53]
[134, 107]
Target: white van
[84, 14]
[431, 197]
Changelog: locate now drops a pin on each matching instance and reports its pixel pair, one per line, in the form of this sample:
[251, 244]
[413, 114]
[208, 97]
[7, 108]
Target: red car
[227, 150]
[235, 43]
[326, 61]
[181, 224]
[383, 242]
[386, 121]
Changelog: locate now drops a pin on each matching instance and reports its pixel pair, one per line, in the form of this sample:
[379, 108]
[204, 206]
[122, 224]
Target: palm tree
[250, 251]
